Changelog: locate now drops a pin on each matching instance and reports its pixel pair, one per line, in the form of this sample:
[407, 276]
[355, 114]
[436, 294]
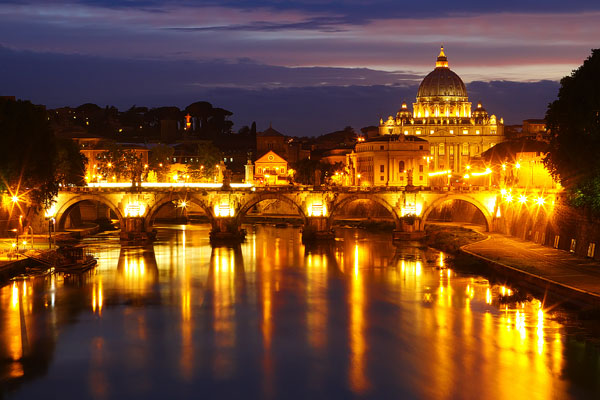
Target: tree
[116, 164]
[208, 158]
[160, 161]
[574, 124]
[69, 163]
[27, 153]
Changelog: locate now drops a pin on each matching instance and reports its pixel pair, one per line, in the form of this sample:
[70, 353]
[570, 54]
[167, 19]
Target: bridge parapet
[226, 208]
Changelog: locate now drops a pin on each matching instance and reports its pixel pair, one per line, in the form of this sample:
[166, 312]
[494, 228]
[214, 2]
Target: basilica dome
[442, 83]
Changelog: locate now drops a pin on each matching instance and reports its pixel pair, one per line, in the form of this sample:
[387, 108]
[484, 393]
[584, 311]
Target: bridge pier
[227, 229]
[410, 229]
[317, 228]
[133, 230]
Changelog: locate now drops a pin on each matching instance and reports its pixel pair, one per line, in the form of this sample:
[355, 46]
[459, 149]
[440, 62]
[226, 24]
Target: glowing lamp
[540, 201]
[522, 199]
[15, 199]
[517, 165]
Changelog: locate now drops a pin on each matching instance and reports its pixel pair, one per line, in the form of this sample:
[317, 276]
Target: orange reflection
[223, 310]
[358, 379]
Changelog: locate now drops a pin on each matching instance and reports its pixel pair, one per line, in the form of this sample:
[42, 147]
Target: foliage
[120, 164]
[574, 123]
[160, 161]
[208, 156]
[69, 163]
[307, 170]
[26, 153]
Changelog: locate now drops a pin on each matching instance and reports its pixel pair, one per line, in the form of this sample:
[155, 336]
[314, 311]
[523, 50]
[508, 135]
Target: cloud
[298, 101]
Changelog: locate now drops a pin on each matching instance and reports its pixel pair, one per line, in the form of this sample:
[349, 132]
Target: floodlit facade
[390, 160]
[271, 169]
[443, 115]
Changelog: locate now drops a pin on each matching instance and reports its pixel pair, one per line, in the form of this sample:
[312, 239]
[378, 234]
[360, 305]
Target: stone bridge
[136, 208]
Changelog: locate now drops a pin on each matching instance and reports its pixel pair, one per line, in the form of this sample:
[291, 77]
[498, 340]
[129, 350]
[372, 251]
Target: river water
[274, 319]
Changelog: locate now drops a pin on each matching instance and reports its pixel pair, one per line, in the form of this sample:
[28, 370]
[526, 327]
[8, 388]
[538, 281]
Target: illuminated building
[443, 116]
[271, 169]
[390, 160]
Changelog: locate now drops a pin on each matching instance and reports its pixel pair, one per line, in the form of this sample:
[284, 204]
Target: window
[451, 150]
[493, 131]
[406, 132]
[420, 168]
[465, 149]
[465, 131]
[401, 166]
[591, 250]
[442, 149]
[174, 159]
[382, 168]
[452, 131]
[382, 178]
[431, 132]
[418, 132]
[477, 132]
[381, 147]
[573, 246]
[421, 147]
[432, 150]
[421, 177]
[556, 241]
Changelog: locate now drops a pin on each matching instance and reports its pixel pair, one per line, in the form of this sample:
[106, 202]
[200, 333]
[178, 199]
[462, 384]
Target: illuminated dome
[442, 83]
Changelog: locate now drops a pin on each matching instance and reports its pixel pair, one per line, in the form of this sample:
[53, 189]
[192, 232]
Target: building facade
[390, 160]
[443, 115]
[271, 169]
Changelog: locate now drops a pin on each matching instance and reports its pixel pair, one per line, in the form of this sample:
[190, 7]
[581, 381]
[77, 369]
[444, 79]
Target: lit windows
[431, 132]
[418, 132]
[465, 131]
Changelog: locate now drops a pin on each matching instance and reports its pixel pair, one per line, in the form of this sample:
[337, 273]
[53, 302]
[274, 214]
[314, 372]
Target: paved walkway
[557, 266]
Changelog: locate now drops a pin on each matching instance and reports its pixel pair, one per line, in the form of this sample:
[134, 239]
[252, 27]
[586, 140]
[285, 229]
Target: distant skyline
[309, 67]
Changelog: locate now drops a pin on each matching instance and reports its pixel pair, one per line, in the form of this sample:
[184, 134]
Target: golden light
[540, 201]
[317, 210]
[145, 166]
[109, 165]
[15, 199]
[24, 242]
[183, 204]
[175, 177]
[509, 198]
[160, 165]
[14, 245]
[358, 176]
[223, 210]
[466, 176]
[504, 167]
[517, 165]
[503, 192]
[437, 173]
[468, 167]
[135, 209]
[50, 211]
[522, 199]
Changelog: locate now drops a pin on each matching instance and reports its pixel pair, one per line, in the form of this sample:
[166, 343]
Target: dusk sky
[308, 67]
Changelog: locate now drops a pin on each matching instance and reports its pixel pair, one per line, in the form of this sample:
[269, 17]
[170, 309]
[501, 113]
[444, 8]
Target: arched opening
[458, 211]
[179, 211]
[88, 214]
[277, 209]
[365, 212]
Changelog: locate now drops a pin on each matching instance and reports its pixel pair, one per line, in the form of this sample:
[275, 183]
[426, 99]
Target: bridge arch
[336, 206]
[254, 200]
[152, 211]
[64, 209]
[487, 215]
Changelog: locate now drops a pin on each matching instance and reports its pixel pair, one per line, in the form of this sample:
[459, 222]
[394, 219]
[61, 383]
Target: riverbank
[554, 275]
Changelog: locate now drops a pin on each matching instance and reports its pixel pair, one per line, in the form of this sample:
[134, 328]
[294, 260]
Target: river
[271, 318]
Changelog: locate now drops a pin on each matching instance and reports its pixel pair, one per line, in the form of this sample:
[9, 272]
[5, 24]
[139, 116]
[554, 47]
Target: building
[442, 115]
[271, 169]
[390, 160]
[271, 140]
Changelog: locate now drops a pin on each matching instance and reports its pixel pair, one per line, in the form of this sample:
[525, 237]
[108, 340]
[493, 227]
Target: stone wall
[555, 225]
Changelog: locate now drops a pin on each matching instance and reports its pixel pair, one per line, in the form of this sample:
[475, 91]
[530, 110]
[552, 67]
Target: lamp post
[16, 230]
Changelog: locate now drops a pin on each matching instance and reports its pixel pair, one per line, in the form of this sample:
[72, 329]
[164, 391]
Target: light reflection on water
[274, 319]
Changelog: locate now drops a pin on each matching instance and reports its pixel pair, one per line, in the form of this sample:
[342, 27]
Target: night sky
[308, 67]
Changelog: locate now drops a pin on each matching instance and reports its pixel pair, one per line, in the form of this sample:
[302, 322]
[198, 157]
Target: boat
[74, 259]
[67, 258]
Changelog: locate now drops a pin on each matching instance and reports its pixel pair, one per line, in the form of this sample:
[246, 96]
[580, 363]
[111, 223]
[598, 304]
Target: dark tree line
[574, 124]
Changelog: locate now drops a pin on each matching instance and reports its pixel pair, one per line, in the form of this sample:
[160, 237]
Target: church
[442, 115]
